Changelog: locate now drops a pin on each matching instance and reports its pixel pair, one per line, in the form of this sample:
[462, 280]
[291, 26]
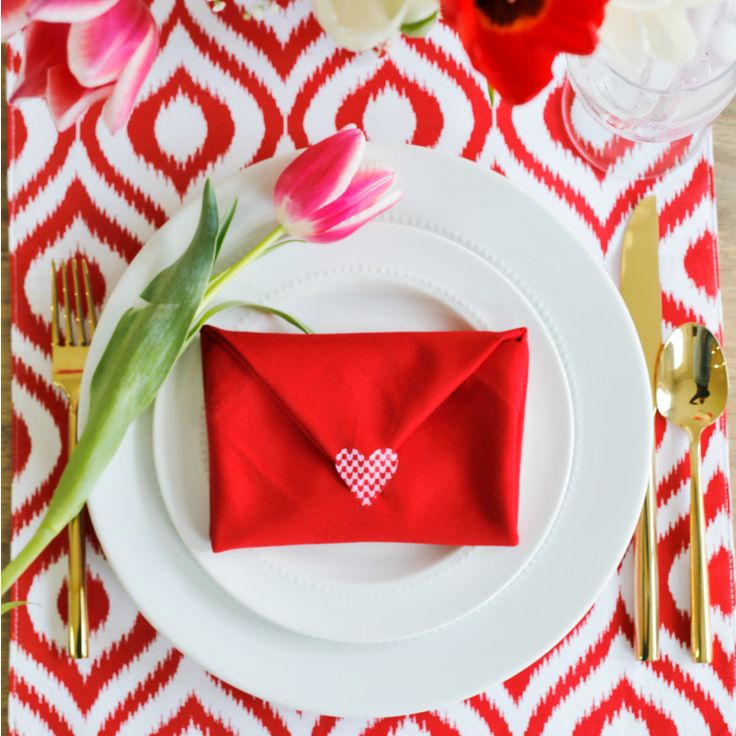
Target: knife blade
[641, 290]
[640, 281]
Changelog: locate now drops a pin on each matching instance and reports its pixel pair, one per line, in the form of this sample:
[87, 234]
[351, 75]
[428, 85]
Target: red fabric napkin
[401, 437]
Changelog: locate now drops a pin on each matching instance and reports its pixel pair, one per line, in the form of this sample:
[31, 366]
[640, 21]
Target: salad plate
[391, 278]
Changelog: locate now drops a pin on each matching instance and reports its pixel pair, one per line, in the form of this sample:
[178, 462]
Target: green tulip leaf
[246, 305]
[140, 354]
[224, 227]
[420, 28]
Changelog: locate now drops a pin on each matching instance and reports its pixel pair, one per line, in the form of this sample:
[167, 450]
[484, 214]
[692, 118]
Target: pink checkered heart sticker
[366, 477]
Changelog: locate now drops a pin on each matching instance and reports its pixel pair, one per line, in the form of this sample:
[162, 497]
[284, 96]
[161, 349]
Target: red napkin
[377, 437]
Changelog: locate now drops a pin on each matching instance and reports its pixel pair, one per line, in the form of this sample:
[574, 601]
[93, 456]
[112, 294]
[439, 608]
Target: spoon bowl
[691, 391]
[692, 382]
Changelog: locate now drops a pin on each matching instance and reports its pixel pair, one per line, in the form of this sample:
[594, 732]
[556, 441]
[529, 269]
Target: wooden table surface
[725, 158]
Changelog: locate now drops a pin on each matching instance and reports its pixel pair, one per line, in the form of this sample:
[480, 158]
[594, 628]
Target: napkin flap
[366, 390]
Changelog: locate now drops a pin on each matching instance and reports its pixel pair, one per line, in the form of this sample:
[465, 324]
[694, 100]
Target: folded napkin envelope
[401, 437]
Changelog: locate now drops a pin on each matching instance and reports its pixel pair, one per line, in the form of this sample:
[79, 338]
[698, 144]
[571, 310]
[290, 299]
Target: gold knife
[641, 291]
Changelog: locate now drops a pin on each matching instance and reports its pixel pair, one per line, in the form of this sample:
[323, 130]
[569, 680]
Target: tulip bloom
[323, 195]
[79, 52]
[635, 31]
[358, 26]
[513, 44]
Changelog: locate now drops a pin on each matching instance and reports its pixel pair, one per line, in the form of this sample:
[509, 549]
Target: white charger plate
[595, 339]
[387, 277]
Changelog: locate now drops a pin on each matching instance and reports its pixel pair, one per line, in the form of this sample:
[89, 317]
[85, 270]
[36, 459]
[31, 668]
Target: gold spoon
[692, 387]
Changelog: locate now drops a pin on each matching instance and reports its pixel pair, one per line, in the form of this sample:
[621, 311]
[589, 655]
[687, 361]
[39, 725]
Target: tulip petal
[366, 188]
[68, 11]
[67, 99]
[118, 107]
[14, 17]
[99, 49]
[357, 221]
[669, 34]
[622, 35]
[318, 175]
[45, 47]
[361, 25]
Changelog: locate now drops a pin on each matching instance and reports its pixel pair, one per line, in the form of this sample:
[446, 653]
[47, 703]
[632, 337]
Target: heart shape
[366, 477]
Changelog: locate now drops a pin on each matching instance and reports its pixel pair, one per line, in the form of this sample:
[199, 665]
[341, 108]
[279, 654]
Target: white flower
[358, 25]
[636, 30]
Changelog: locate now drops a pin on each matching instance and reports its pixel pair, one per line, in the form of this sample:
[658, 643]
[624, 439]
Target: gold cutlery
[692, 388]
[641, 291]
[70, 340]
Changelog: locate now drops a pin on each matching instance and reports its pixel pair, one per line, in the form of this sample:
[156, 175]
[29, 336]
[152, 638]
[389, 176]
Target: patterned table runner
[226, 91]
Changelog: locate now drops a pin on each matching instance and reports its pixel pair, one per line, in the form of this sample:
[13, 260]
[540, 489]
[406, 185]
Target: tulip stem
[217, 282]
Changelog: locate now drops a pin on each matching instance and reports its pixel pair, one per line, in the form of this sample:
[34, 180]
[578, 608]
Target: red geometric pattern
[239, 91]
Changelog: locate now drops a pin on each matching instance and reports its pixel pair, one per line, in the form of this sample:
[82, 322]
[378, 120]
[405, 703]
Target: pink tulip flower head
[80, 51]
[324, 195]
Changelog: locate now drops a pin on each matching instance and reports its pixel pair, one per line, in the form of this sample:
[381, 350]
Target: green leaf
[224, 227]
[204, 318]
[421, 27]
[182, 281]
[142, 350]
[10, 605]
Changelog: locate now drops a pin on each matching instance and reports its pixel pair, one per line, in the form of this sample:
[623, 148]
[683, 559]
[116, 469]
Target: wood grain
[724, 146]
[725, 158]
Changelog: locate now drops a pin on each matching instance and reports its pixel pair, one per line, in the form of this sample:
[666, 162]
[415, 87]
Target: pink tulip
[323, 195]
[80, 51]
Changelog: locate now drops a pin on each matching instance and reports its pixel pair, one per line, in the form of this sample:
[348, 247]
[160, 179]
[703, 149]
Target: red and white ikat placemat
[223, 93]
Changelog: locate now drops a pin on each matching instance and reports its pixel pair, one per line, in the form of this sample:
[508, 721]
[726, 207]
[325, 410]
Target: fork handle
[78, 620]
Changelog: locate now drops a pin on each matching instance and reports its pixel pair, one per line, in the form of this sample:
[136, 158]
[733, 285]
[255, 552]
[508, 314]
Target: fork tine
[78, 314]
[88, 298]
[54, 307]
[69, 337]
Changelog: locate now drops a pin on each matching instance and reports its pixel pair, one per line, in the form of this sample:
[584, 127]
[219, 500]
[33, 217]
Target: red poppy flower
[514, 42]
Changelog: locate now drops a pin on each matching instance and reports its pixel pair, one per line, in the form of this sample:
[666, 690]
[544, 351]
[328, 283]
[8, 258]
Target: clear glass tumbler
[663, 107]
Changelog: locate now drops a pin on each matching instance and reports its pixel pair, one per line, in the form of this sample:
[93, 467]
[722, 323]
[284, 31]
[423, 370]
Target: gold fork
[69, 347]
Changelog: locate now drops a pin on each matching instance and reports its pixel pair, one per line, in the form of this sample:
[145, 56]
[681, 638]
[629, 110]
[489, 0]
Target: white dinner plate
[444, 198]
[388, 277]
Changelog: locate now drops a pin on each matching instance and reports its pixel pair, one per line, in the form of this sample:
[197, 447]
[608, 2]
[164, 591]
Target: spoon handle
[701, 643]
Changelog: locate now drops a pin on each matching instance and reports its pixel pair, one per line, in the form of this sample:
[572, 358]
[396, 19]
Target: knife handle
[646, 583]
